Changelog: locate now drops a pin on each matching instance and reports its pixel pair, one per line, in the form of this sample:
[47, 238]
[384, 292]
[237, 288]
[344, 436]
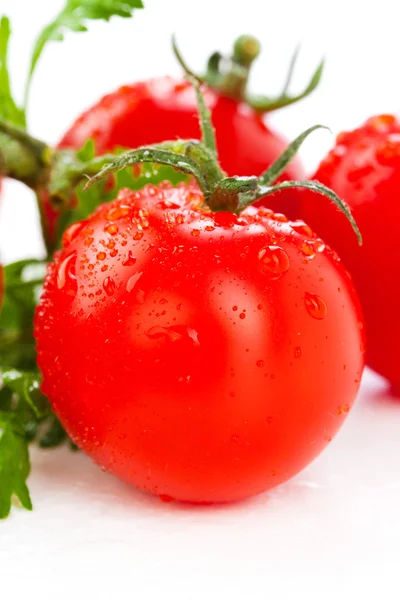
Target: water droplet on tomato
[274, 261]
[111, 229]
[234, 308]
[380, 123]
[242, 316]
[129, 260]
[301, 227]
[260, 364]
[118, 212]
[132, 281]
[166, 332]
[311, 247]
[66, 271]
[109, 286]
[297, 352]
[71, 233]
[315, 305]
[195, 232]
[138, 235]
[101, 256]
[281, 218]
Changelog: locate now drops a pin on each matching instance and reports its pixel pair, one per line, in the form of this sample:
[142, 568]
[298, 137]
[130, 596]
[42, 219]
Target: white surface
[332, 532]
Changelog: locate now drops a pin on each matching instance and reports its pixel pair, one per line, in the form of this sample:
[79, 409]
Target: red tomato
[364, 169]
[203, 357]
[162, 109]
[153, 111]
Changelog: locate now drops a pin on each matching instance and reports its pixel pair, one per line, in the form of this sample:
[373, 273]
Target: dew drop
[260, 364]
[109, 286]
[274, 261]
[111, 229]
[118, 212]
[101, 256]
[71, 233]
[297, 352]
[234, 308]
[129, 260]
[163, 332]
[195, 232]
[311, 247]
[132, 281]
[301, 227]
[66, 271]
[138, 235]
[242, 316]
[315, 305]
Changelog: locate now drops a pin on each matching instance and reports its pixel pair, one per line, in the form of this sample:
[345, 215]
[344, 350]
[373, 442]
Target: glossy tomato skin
[203, 357]
[162, 109]
[364, 169]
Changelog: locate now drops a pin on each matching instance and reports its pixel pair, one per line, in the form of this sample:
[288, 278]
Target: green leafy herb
[14, 464]
[8, 108]
[73, 17]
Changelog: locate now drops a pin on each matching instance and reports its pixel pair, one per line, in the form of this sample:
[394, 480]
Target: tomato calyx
[229, 75]
[200, 160]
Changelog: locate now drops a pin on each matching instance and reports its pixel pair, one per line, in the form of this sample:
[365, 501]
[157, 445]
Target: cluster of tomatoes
[208, 356]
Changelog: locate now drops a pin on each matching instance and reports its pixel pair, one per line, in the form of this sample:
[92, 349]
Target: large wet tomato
[204, 357]
[364, 169]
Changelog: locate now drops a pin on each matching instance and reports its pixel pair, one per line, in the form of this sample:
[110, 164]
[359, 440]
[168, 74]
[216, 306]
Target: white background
[333, 531]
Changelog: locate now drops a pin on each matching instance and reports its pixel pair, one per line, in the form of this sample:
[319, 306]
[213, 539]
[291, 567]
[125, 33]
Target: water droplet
[242, 316]
[280, 217]
[109, 286]
[195, 232]
[343, 410]
[71, 233]
[315, 305]
[132, 281]
[297, 352]
[66, 271]
[259, 306]
[113, 252]
[160, 332]
[260, 364]
[111, 229]
[302, 228]
[118, 212]
[234, 308]
[209, 228]
[138, 235]
[311, 247]
[274, 261]
[194, 336]
[235, 439]
[129, 260]
[101, 256]
[163, 301]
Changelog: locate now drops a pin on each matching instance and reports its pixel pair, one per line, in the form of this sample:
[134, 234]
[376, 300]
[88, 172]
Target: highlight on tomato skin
[202, 357]
[364, 169]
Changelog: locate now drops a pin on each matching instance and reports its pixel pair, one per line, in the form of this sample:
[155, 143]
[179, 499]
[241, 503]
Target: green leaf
[73, 17]
[23, 282]
[26, 384]
[9, 110]
[14, 464]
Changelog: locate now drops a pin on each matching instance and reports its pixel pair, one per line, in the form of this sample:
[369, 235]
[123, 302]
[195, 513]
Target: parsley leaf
[9, 111]
[73, 17]
[14, 464]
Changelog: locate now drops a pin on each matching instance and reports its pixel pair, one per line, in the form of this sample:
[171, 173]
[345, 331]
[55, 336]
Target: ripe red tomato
[364, 169]
[203, 357]
[162, 109]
